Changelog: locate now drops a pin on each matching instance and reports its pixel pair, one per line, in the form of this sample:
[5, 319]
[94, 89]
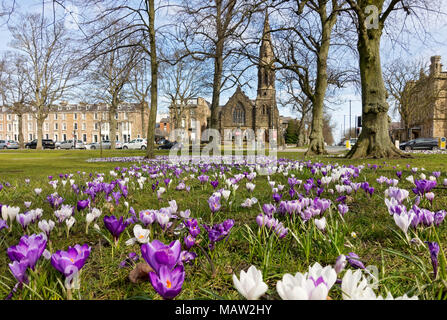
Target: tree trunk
[217, 82]
[21, 139]
[300, 133]
[112, 124]
[374, 140]
[154, 83]
[143, 106]
[316, 143]
[40, 121]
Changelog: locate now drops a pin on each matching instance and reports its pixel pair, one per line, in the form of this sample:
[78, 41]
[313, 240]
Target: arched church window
[239, 115]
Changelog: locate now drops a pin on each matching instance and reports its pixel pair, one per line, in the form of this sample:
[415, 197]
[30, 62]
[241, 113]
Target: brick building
[195, 110]
[86, 122]
[429, 106]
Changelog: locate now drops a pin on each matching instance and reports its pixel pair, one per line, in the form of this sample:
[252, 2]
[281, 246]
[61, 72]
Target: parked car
[136, 144]
[57, 144]
[106, 144]
[9, 144]
[168, 145]
[72, 144]
[420, 144]
[162, 141]
[46, 144]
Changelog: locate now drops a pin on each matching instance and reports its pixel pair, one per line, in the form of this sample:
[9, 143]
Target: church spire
[266, 73]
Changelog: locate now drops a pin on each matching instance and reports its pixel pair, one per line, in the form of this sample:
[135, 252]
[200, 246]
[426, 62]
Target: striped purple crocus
[433, 248]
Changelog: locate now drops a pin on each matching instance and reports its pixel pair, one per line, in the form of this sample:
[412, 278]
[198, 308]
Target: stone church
[240, 112]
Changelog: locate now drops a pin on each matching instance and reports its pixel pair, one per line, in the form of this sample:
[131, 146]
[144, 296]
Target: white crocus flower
[131, 242]
[320, 223]
[70, 222]
[355, 286]
[10, 212]
[312, 285]
[403, 220]
[250, 284]
[46, 226]
[160, 192]
[141, 235]
[410, 179]
[404, 297]
[38, 191]
[226, 194]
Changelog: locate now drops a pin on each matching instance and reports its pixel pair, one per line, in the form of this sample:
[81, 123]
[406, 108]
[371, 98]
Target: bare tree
[140, 89]
[305, 32]
[181, 82]
[370, 18]
[411, 91]
[213, 30]
[49, 61]
[293, 97]
[328, 128]
[110, 72]
[14, 88]
[137, 20]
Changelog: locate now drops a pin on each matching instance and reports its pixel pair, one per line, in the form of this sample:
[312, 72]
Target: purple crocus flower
[269, 209]
[277, 197]
[193, 227]
[354, 261]
[292, 193]
[203, 178]
[189, 241]
[439, 217]
[29, 249]
[157, 254]
[219, 231]
[433, 247]
[72, 260]
[3, 222]
[55, 201]
[423, 186]
[115, 226]
[148, 217]
[116, 196]
[214, 204]
[168, 282]
[343, 209]
[130, 260]
[340, 264]
[214, 183]
[187, 257]
[18, 270]
[399, 174]
[167, 181]
[82, 204]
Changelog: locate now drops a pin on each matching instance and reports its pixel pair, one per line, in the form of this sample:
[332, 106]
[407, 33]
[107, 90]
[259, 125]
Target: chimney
[435, 66]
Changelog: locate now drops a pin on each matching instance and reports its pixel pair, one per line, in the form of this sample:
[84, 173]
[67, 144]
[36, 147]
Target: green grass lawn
[368, 230]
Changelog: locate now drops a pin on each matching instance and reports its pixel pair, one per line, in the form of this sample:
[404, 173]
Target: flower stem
[69, 295]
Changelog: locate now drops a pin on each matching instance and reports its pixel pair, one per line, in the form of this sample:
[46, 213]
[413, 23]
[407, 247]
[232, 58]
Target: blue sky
[414, 49]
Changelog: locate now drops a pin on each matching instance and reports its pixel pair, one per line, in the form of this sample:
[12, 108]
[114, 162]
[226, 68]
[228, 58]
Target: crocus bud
[340, 264]
[321, 223]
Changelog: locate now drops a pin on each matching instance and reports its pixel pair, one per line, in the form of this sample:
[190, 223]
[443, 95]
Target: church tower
[266, 112]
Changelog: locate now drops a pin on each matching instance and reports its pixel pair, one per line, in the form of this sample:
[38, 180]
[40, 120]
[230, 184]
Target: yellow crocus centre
[141, 236]
[72, 261]
[168, 284]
